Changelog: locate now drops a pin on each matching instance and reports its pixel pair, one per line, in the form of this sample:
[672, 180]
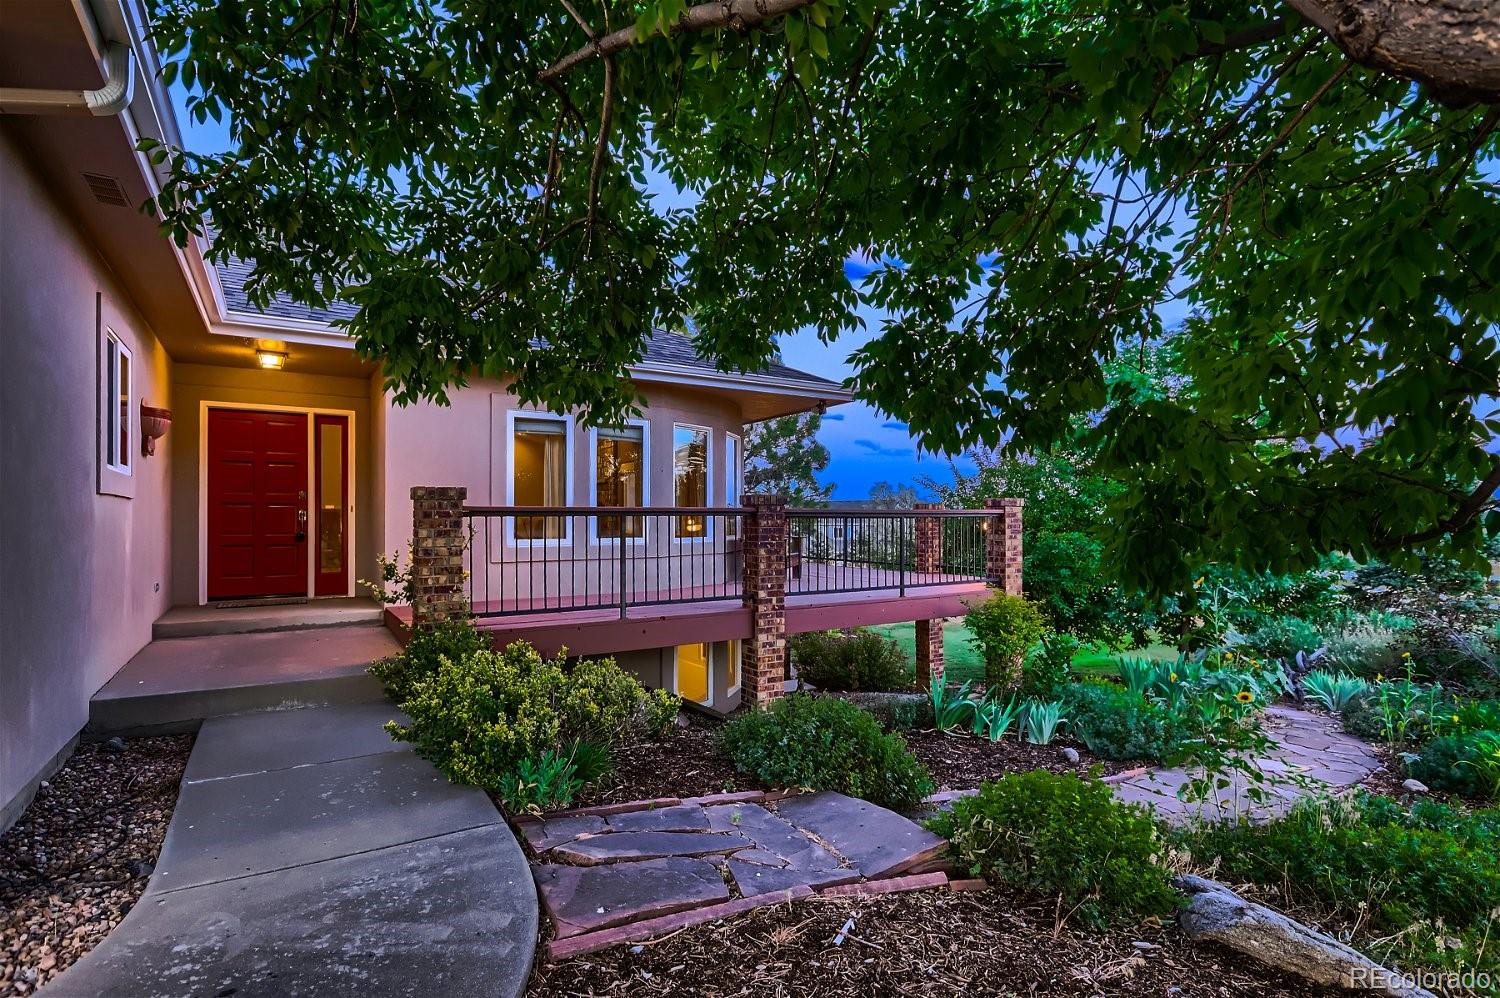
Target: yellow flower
[1173, 677]
[1406, 654]
[1455, 718]
[1199, 582]
[1245, 696]
[1380, 677]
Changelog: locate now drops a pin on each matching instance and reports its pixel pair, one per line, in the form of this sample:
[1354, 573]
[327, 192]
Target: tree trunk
[1453, 46]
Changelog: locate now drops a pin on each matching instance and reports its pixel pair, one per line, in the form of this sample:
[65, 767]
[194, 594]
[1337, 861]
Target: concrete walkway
[1307, 745]
[311, 855]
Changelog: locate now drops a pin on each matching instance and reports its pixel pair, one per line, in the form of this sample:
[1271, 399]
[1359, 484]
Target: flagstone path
[609, 877]
[1307, 746]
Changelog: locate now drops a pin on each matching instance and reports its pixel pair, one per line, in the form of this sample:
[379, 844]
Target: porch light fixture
[271, 360]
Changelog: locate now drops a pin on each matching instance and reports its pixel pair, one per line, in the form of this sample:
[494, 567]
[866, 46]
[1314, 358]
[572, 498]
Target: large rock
[585, 898]
[1219, 914]
[616, 847]
[876, 842]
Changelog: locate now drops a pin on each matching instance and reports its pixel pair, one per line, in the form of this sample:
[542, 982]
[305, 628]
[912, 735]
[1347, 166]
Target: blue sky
[866, 445]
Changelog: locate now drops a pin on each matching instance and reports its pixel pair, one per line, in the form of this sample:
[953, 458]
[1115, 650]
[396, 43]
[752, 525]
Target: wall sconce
[154, 423]
[271, 360]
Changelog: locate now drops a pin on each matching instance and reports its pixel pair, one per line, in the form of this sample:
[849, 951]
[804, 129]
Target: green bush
[850, 660]
[824, 743]
[1049, 667]
[659, 712]
[1467, 764]
[1283, 637]
[894, 711]
[1367, 646]
[452, 639]
[1062, 837]
[1116, 723]
[1401, 876]
[480, 717]
[1004, 629]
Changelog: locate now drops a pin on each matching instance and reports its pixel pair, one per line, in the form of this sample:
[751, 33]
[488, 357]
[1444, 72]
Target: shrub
[479, 717]
[451, 639]
[1366, 861]
[1332, 692]
[659, 712]
[1283, 637]
[1004, 628]
[854, 660]
[1062, 837]
[824, 743]
[1366, 647]
[1467, 764]
[894, 711]
[1116, 723]
[1049, 667]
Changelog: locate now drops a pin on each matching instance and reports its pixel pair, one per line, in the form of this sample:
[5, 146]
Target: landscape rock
[877, 842]
[1414, 786]
[584, 898]
[1071, 754]
[1218, 914]
[622, 846]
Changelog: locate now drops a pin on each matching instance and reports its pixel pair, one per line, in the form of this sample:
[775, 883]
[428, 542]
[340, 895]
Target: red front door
[257, 504]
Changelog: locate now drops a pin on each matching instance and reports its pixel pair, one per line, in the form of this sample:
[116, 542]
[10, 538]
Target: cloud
[881, 451]
[893, 425]
[833, 417]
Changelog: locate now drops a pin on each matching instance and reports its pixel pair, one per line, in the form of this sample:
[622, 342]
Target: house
[170, 452]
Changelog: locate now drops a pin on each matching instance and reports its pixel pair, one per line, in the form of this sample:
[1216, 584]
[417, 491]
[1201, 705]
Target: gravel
[81, 854]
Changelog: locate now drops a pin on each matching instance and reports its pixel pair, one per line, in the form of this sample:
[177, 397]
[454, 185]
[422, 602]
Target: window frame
[708, 484]
[737, 662]
[645, 427]
[511, 418]
[708, 664]
[114, 349]
[734, 475]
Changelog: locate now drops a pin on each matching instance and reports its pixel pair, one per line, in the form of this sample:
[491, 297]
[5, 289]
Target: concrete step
[201, 621]
[173, 685]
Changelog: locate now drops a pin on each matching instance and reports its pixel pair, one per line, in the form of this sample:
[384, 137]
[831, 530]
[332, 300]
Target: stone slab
[683, 818]
[617, 847]
[771, 834]
[875, 841]
[584, 898]
[753, 879]
[894, 885]
[254, 743]
[543, 834]
[562, 949]
[453, 915]
[261, 822]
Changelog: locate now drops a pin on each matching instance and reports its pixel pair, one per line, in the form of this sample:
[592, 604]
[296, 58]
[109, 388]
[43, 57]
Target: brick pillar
[929, 559]
[1003, 545]
[437, 555]
[764, 547]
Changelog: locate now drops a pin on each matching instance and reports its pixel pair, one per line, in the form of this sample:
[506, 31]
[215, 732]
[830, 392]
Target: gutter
[105, 102]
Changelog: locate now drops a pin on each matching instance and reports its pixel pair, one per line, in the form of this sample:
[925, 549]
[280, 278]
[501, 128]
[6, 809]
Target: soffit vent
[106, 190]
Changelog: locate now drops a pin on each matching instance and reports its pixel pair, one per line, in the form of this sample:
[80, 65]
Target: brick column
[437, 555]
[764, 548]
[929, 559]
[1003, 545]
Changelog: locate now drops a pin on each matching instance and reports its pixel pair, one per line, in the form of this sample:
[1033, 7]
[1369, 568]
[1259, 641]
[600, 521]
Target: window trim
[645, 426]
[734, 474]
[736, 658]
[708, 664]
[114, 346]
[708, 483]
[511, 416]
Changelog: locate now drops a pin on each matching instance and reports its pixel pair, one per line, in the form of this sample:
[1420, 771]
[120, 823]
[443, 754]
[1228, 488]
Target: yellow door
[692, 672]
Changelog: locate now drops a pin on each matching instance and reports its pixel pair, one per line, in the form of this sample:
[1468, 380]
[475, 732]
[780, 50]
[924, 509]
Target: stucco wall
[195, 384]
[82, 574]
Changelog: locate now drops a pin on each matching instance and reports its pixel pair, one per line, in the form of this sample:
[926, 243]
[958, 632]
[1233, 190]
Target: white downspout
[108, 100]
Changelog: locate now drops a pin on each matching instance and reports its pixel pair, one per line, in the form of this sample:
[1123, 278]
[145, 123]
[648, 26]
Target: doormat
[272, 601]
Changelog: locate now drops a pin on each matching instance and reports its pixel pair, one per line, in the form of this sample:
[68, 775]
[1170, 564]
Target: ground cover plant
[1417, 886]
[1063, 839]
[825, 743]
[533, 731]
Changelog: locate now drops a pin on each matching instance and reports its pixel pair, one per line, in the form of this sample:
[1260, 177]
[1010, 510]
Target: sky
[866, 446]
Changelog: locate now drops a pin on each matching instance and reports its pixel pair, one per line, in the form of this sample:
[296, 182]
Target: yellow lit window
[620, 478]
[733, 670]
[690, 477]
[539, 449]
[692, 673]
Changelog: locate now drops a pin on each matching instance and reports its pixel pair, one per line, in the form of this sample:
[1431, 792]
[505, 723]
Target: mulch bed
[80, 856]
[925, 943]
[961, 763]
[686, 764]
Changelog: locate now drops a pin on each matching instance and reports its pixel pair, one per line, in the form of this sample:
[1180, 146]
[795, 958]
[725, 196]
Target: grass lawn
[962, 662]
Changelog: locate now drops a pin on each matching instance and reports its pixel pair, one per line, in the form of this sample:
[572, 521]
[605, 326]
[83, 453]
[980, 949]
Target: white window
[732, 671]
[118, 454]
[690, 464]
[620, 478]
[540, 473]
[733, 470]
[691, 677]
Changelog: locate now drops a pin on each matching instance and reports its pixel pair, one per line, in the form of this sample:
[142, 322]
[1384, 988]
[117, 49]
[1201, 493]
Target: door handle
[301, 525]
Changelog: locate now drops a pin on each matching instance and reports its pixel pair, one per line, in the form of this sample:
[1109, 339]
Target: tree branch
[741, 15]
[1467, 510]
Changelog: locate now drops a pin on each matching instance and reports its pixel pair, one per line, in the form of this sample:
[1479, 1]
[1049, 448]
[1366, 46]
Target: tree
[783, 457]
[884, 495]
[1033, 181]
